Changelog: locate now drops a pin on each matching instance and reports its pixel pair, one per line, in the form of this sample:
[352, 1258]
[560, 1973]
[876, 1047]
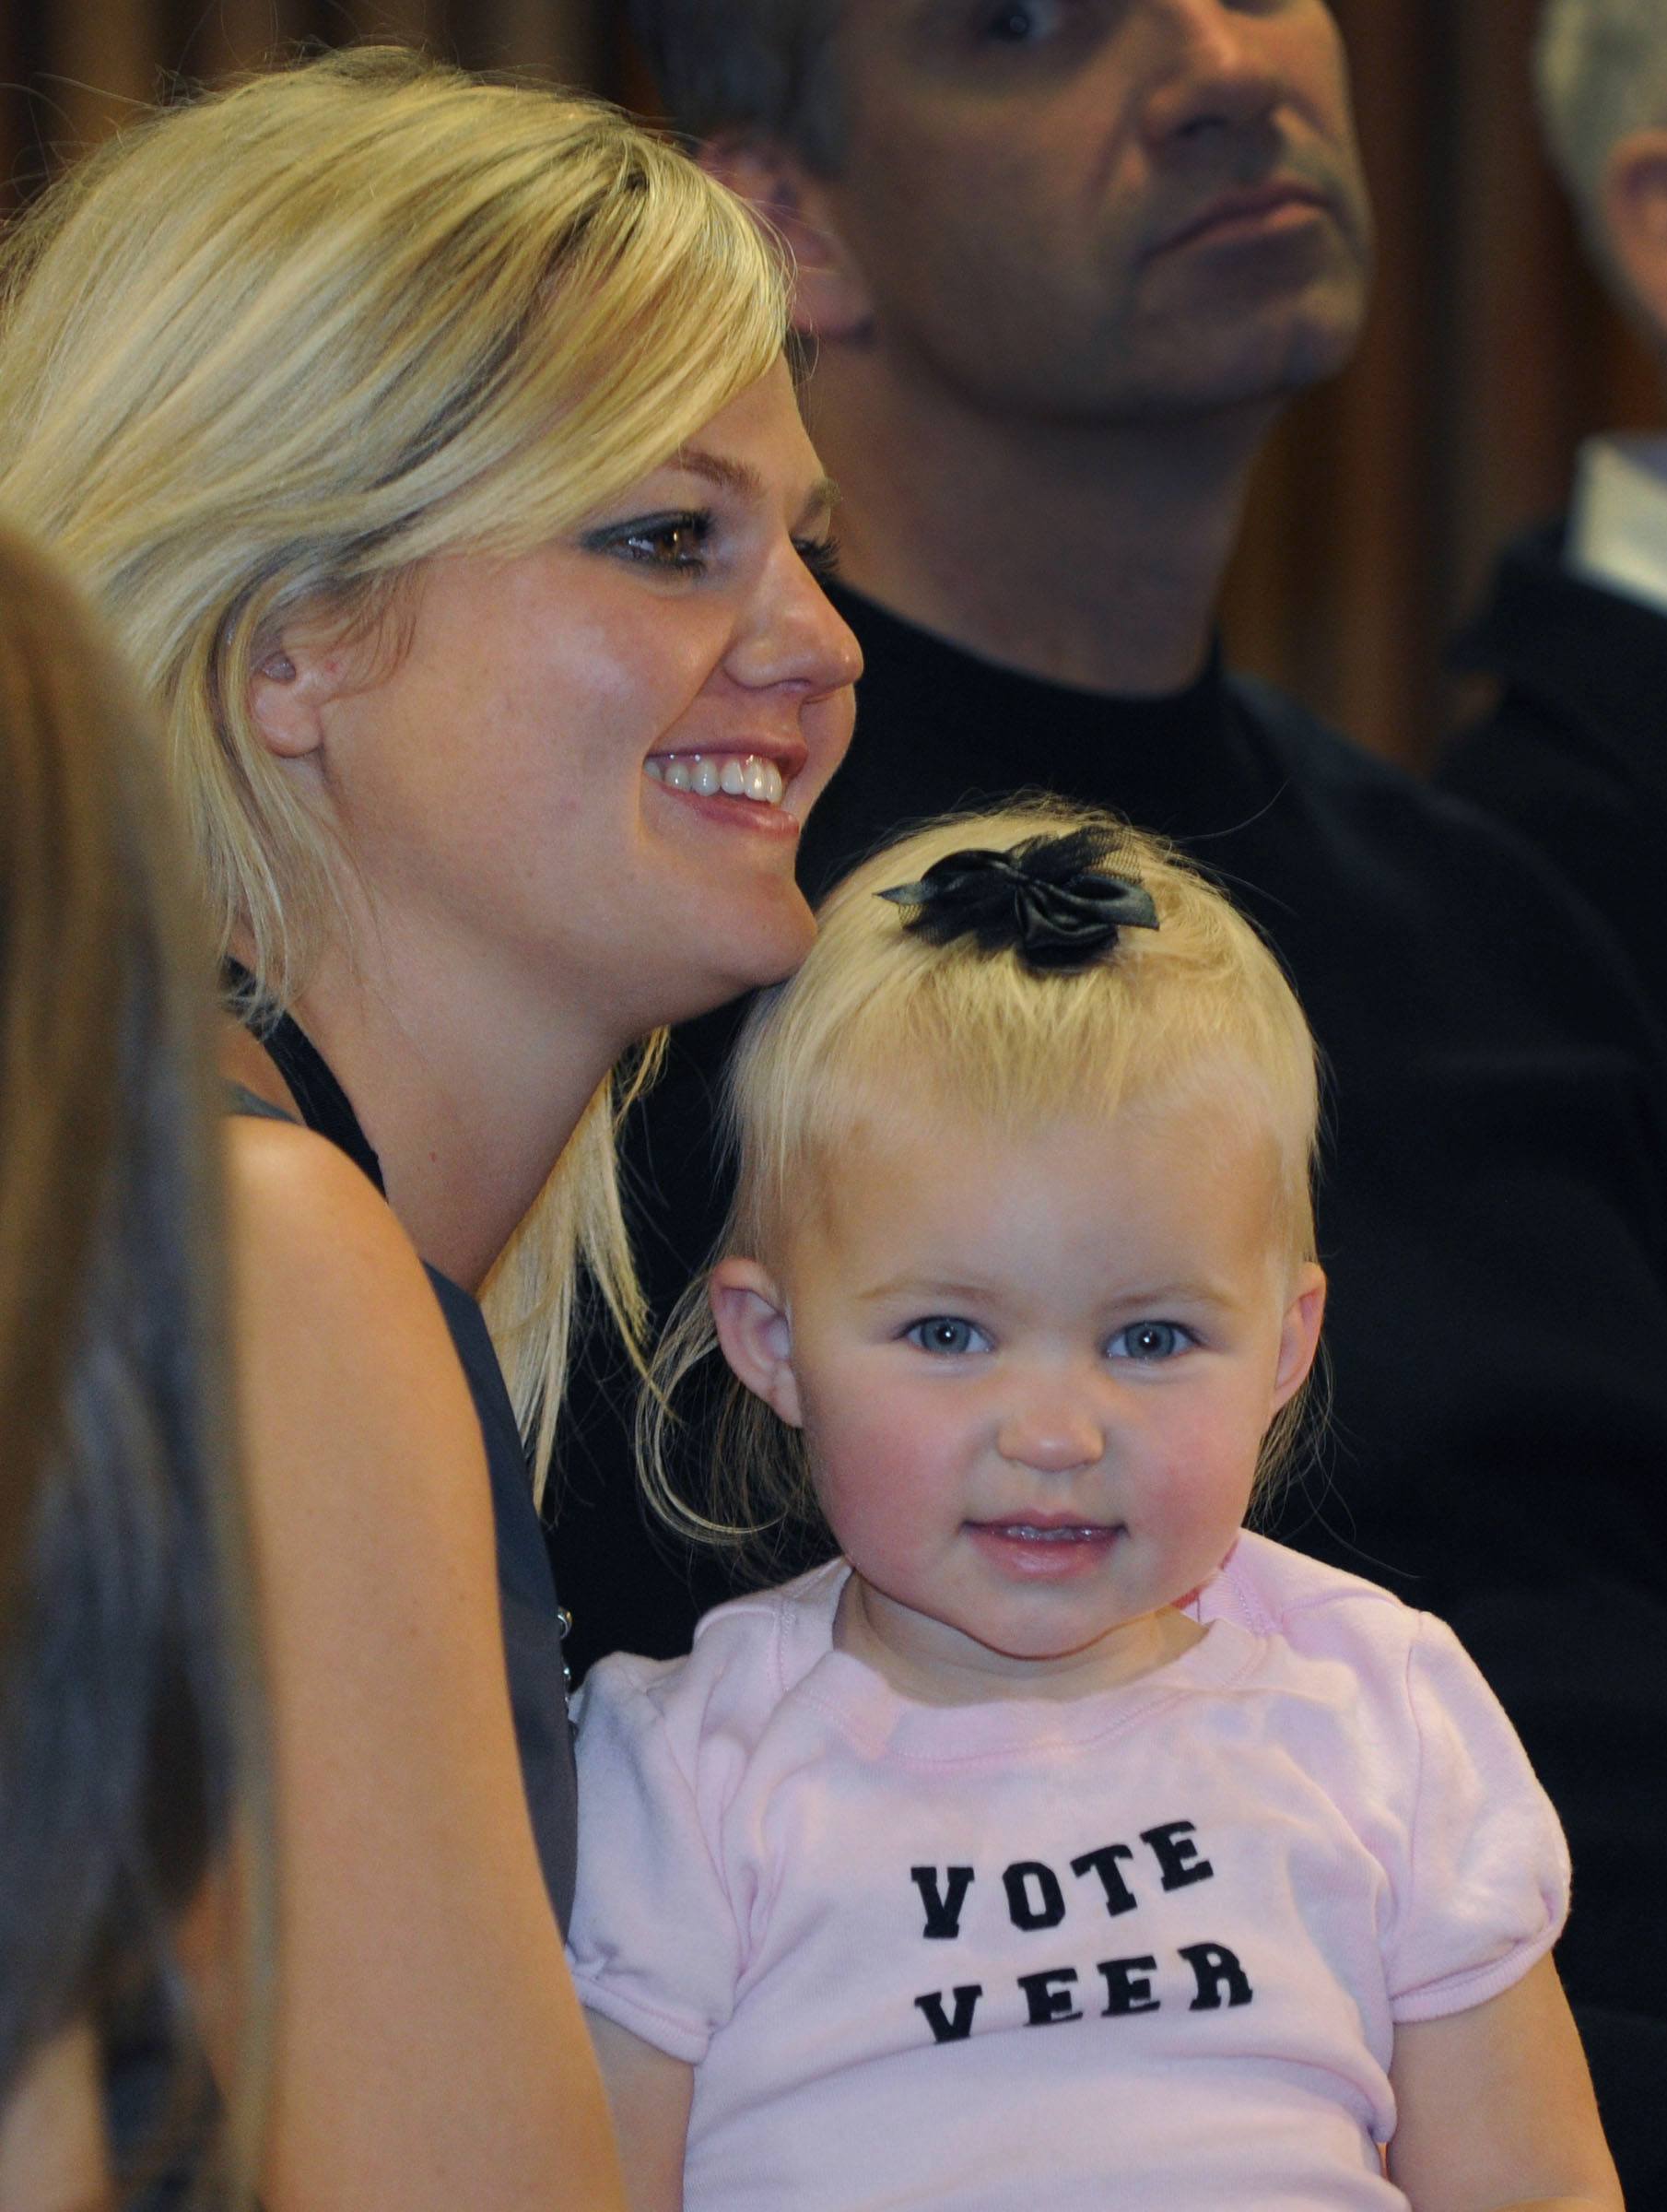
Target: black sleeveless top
[533, 1621]
[144, 2051]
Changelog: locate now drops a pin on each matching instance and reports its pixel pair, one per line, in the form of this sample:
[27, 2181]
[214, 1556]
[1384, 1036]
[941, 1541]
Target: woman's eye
[1149, 1340]
[673, 542]
[944, 1333]
[820, 556]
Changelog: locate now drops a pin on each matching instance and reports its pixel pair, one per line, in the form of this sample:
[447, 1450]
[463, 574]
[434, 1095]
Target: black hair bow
[1048, 899]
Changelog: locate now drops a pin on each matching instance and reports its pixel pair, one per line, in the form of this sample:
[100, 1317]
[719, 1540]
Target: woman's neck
[467, 1089]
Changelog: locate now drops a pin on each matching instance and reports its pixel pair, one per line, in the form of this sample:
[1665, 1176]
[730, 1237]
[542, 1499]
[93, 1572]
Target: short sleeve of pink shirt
[1486, 1868]
[656, 1931]
[1472, 1845]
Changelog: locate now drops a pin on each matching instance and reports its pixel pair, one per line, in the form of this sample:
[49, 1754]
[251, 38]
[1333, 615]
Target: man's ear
[1635, 218]
[756, 1338]
[294, 679]
[1299, 1332]
[831, 299]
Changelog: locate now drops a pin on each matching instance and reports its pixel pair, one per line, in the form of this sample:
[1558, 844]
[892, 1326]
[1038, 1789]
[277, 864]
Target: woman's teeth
[740, 776]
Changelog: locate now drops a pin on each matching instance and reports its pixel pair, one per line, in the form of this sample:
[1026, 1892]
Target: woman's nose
[796, 635]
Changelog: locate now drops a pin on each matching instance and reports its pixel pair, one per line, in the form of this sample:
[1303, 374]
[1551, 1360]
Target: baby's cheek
[874, 1480]
[1202, 1477]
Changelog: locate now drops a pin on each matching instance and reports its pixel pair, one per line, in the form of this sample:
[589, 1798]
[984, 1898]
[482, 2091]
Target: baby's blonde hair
[884, 1028]
[270, 349]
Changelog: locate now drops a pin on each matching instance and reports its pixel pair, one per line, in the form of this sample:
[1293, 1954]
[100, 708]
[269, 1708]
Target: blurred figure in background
[1574, 750]
[129, 1745]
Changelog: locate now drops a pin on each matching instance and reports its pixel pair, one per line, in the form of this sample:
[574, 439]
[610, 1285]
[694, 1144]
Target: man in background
[1574, 751]
[1062, 264]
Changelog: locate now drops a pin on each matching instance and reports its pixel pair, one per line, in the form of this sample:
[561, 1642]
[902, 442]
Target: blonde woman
[129, 1724]
[430, 444]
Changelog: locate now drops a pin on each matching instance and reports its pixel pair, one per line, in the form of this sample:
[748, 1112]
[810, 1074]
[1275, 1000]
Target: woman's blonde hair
[271, 348]
[883, 1028]
[130, 1721]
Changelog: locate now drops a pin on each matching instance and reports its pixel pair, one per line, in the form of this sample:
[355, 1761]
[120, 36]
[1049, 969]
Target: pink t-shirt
[1145, 1948]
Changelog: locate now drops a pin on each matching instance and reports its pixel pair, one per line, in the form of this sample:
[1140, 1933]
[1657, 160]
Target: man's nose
[1212, 72]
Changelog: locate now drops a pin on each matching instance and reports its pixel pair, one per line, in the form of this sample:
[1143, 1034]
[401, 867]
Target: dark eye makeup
[678, 542]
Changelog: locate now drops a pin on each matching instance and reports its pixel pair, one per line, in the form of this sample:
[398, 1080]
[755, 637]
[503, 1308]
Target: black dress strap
[325, 1106]
[534, 1622]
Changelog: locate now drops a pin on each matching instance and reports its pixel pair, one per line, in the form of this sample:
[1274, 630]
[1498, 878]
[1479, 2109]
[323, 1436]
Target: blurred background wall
[1490, 352]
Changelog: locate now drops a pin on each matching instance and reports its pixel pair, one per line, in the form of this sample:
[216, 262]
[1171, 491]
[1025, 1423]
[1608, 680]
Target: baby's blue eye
[1149, 1340]
[945, 1334]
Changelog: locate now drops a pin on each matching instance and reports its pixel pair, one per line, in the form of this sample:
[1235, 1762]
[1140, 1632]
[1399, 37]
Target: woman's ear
[1299, 1332]
[294, 681]
[831, 299]
[753, 1328]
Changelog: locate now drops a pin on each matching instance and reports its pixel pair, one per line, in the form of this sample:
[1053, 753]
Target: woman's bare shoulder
[343, 1349]
[305, 1209]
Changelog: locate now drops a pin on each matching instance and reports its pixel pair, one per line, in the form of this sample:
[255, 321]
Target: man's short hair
[763, 66]
[1600, 71]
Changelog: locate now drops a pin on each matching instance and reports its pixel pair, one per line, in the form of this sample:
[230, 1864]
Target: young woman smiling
[430, 446]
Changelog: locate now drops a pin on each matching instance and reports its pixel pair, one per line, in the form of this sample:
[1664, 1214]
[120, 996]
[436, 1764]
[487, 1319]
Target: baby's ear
[1299, 1333]
[753, 1328]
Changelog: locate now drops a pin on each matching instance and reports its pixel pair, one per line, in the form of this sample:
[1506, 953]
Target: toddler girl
[1057, 1844]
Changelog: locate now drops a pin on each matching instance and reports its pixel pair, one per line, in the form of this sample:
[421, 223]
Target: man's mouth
[1250, 211]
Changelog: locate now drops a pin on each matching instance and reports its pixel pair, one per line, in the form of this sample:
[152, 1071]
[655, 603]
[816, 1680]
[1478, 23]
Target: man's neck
[1081, 553]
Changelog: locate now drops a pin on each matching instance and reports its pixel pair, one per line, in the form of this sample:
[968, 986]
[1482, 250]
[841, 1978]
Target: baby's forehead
[917, 1093]
[923, 1134]
[1070, 1215]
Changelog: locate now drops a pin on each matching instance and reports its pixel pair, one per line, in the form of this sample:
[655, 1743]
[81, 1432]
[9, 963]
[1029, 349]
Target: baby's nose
[1054, 1432]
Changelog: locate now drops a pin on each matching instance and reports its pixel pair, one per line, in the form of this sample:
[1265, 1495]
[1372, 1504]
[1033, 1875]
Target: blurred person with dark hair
[130, 1763]
[1062, 263]
[1573, 632]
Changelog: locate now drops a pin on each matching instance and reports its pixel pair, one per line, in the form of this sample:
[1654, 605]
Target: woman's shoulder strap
[239, 1099]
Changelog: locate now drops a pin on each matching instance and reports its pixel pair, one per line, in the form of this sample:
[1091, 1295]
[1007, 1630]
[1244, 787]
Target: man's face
[1104, 210]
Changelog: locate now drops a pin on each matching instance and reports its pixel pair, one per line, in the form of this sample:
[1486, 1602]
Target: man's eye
[1150, 1340]
[943, 1333]
[1023, 22]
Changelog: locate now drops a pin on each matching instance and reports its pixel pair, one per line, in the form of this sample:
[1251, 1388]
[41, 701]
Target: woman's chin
[772, 944]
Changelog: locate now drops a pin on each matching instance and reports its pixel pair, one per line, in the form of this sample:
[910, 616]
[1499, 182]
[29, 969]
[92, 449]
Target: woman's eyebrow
[738, 477]
[743, 478]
